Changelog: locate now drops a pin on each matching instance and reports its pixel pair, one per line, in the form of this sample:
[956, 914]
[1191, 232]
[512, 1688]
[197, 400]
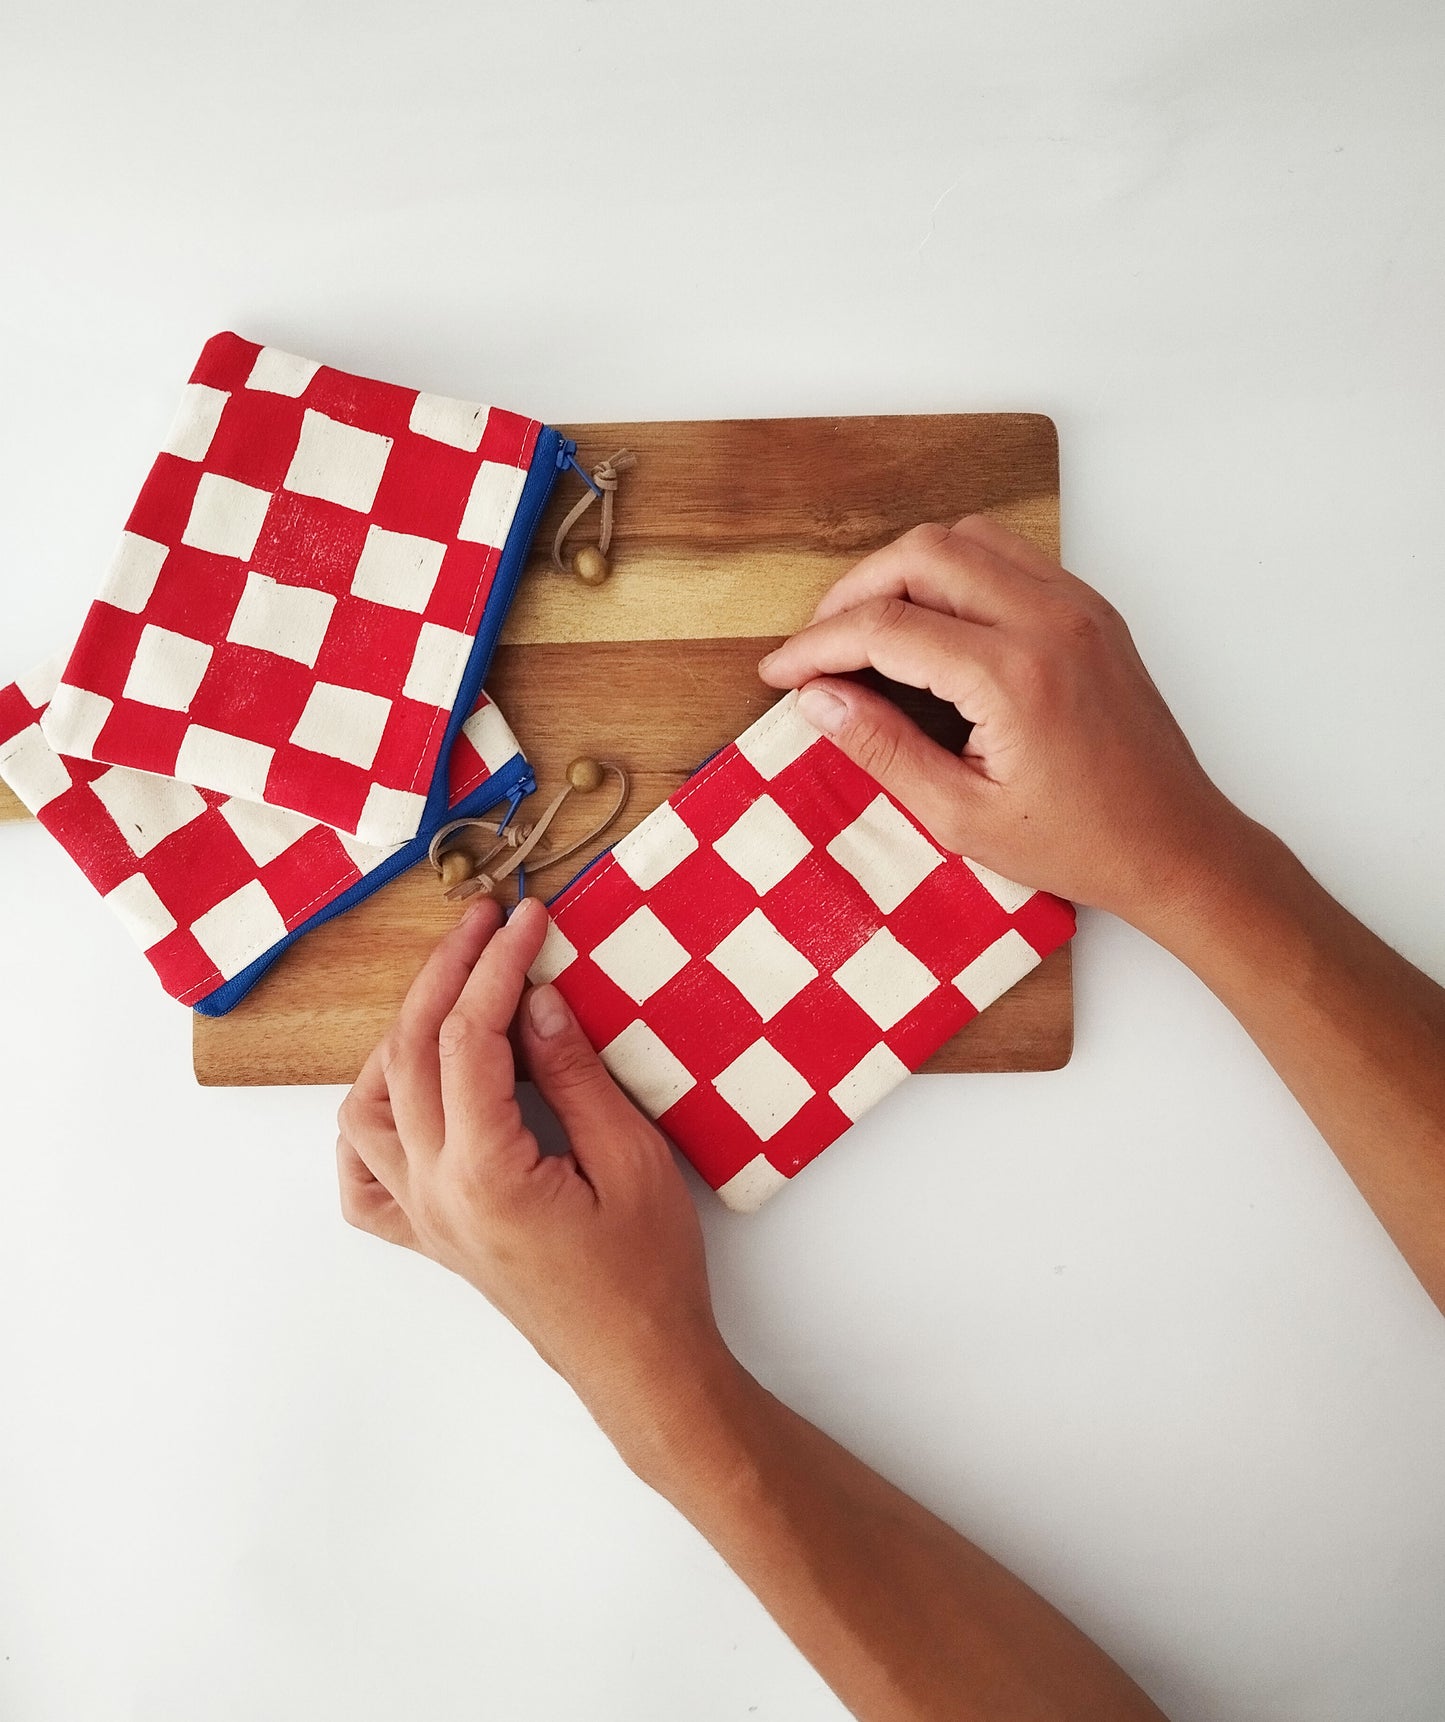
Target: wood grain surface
[727, 532]
[738, 526]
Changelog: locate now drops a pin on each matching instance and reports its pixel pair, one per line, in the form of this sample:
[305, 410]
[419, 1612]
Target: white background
[1129, 1325]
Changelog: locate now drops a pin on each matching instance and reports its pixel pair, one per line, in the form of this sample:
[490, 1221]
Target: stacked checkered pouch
[276, 698]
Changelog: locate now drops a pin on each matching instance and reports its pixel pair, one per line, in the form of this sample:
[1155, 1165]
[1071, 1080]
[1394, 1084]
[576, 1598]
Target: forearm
[901, 1616]
[1355, 1031]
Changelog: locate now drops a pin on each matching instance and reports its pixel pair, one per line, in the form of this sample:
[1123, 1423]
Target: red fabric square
[308, 874]
[705, 812]
[225, 362]
[255, 446]
[381, 407]
[164, 504]
[424, 489]
[146, 737]
[184, 969]
[102, 657]
[307, 541]
[192, 870]
[195, 594]
[708, 1131]
[369, 646]
[461, 595]
[408, 737]
[828, 938]
[80, 824]
[335, 789]
[256, 695]
[703, 899]
[702, 1019]
[823, 1032]
[600, 1005]
[508, 438]
[949, 919]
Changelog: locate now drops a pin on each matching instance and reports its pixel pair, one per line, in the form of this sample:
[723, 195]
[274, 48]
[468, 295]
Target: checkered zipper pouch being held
[776, 947]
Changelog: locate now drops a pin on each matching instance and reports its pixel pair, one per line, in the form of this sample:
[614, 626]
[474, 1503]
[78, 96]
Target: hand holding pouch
[777, 946]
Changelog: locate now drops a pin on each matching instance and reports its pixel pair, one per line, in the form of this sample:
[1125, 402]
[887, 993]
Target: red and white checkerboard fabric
[777, 946]
[298, 591]
[205, 883]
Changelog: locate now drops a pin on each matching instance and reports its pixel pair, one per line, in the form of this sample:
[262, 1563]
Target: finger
[939, 568]
[1007, 546]
[954, 659]
[1055, 580]
[478, 1075]
[952, 798]
[367, 1204]
[596, 1115]
[413, 1064]
[366, 1120]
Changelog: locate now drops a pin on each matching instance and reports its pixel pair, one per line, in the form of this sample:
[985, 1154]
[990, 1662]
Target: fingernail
[549, 1012]
[823, 709]
[764, 662]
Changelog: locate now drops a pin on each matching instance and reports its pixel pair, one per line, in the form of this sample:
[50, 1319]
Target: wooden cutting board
[727, 533]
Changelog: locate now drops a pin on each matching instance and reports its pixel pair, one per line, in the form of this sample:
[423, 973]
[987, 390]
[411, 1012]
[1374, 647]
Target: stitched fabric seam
[215, 974]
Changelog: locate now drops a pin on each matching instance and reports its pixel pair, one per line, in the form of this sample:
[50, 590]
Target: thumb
[947, 795]
[570, 1076]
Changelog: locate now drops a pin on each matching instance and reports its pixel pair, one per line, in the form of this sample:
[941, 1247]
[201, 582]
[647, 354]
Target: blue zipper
[512, 784]
[580, 874]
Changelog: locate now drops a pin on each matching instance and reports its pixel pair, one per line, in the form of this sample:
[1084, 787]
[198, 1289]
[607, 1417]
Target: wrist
[1236, 872]
[687, 1426]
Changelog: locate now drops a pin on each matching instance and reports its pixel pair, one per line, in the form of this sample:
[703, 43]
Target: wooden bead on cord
[456, 866]
[463, 874]
[585, 774]
[590, 565]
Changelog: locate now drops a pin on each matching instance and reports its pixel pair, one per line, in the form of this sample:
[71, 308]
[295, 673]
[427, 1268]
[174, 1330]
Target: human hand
[1076, 778]
[595, 1255]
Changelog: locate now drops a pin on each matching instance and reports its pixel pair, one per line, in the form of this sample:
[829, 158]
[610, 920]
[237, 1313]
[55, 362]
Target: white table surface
[1128, 1325]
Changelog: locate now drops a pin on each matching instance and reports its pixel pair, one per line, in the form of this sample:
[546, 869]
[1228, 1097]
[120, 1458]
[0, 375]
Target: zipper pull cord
[463, 875]
[591, 565]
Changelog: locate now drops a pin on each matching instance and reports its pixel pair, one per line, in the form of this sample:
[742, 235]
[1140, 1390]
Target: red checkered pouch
[777, 946]
[307, 591]
[277, 697]
[213, 888]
